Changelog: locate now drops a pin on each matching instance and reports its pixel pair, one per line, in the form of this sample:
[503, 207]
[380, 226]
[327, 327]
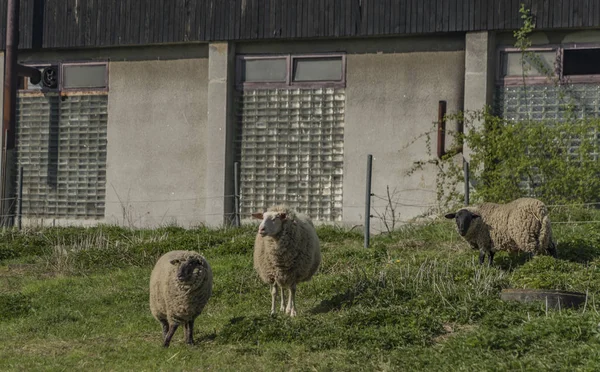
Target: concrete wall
[156, 159]
[392, 99]
[157, 121]
[392, 94]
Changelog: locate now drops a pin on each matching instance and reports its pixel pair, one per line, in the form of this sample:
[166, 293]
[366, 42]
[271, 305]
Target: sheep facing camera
[50, 77]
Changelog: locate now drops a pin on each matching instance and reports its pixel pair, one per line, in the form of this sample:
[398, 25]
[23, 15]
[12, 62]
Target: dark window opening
[581, 62]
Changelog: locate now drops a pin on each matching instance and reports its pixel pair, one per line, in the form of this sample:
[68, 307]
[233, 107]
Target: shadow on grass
[205, 337]
[511, 261]
[339, 301]
[578, 250]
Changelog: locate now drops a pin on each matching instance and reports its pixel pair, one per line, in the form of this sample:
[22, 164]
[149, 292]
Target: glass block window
[291, 149]
[61, 145]
[540, 102]
[549, 102]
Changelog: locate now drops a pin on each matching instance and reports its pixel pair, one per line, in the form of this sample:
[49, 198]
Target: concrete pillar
[480, 69]
[220, 134]
[9, 153]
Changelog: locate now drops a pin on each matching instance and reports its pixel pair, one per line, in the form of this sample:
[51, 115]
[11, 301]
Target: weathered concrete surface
[480, 55]
[219, 135]
[391, 100]
[156, 155]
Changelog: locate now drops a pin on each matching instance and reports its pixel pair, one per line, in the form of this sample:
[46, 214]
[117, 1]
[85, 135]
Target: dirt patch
[453, 329]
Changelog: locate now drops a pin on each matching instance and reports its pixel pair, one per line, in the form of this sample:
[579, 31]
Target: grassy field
[77, 299]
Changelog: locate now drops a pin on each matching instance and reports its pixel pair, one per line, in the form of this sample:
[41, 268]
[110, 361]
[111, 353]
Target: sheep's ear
[450, 216]
[258, 216]
[475, 215]
[175, 261]
[283, 216]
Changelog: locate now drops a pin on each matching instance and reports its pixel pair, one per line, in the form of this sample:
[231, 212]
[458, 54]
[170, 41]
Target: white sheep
[180, 286]
[521, 225]
[286, 252]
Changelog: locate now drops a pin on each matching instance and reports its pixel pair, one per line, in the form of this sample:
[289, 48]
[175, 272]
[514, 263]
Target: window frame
[590, 78]
[516, 80]
[82, 63]
[60, 89]
[289, 83]
[558, 68]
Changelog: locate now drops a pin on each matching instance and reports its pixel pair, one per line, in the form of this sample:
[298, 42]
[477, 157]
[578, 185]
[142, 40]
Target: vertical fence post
[368, 201]
[466, 176]
[236, 192]
[20, 200]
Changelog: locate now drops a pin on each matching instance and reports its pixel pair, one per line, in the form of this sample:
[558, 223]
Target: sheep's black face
[463, 220]
[188, 270]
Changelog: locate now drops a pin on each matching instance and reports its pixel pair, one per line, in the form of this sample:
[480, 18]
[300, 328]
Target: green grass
[77, 299]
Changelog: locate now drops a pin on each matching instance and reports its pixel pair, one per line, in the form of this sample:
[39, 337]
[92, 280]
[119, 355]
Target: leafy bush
[552, 160]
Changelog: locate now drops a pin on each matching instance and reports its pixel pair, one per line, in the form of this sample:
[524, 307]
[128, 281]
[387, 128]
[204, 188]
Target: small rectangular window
[264, 70]
[536, 63]
[84, 76]
[581, 62]
[317, 69]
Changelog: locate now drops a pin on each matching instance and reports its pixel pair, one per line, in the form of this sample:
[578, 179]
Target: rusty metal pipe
[10, 98]
[32, 73]
[441, 132]
[10, 71]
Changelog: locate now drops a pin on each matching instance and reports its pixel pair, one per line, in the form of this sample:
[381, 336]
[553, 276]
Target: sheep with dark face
[286, 252]
[521, 225]
[180, 286]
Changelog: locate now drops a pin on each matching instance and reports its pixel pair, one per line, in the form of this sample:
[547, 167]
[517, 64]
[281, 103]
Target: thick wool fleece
[172, 300]
[290, 257]
[521, 225]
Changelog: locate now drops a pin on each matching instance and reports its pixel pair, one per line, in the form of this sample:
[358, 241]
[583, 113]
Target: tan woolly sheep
[521, 225]
[180, 286]
[286, 252]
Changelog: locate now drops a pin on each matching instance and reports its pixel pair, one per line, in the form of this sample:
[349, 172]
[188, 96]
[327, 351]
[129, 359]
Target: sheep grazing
[180, 286]
[286, 252]
[521, 225]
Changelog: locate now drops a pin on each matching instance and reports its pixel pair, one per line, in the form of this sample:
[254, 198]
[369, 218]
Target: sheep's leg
[291, 306]
[188, 328]
[165, 327]
[170, 334]
[282, 306]
[552, 249]
[491, 257]
[481, 256]
[273, 296]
